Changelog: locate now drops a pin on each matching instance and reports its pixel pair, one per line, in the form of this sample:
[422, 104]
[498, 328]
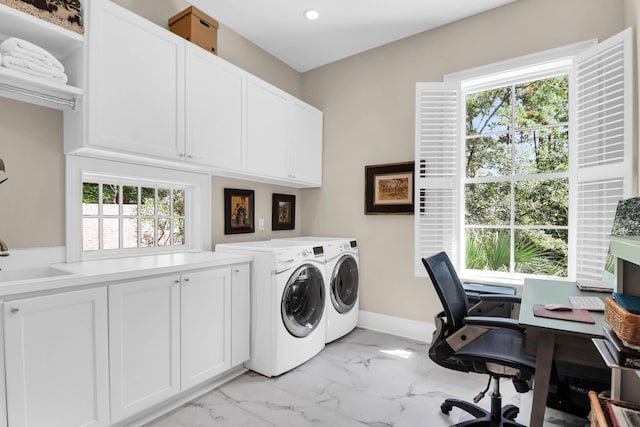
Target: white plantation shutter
[603, 136]
[436, 173]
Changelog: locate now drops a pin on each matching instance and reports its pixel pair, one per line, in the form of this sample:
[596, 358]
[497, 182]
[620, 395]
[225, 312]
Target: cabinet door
[240, 313]
[144, 344]
[306, 143]
[56, 360]
[135, 84]
[267, 129]
[205, 325]
[215, 110]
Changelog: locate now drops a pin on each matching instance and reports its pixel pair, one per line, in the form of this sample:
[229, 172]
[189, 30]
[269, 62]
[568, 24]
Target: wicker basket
[600, 414]
[625, 324]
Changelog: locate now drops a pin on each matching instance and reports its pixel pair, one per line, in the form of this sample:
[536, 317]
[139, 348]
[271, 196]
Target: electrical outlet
[261, 224]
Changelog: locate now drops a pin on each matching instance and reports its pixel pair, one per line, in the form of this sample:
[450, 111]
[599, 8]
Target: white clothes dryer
[288, 292]
[343, 271]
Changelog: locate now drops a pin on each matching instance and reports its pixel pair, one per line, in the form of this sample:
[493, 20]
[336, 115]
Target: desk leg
[544, 361]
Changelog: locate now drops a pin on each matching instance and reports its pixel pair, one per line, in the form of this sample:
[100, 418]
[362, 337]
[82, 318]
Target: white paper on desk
[594, 285]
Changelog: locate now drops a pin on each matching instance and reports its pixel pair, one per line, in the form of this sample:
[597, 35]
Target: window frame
[197, 188]
[438, 216]
[506, 78]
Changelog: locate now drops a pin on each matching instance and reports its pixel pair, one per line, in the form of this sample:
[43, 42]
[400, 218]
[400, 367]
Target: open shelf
[23, 87]
[58, 41]
[55, 39]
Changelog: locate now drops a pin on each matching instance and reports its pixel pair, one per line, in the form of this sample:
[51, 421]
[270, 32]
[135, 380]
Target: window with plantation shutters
[599, 131]
[603, 124]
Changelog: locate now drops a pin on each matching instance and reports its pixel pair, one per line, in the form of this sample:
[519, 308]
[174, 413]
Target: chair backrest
[449, 289]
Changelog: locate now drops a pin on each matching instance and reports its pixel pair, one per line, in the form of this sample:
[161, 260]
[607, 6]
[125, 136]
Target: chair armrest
[493, 322]
[501, 298]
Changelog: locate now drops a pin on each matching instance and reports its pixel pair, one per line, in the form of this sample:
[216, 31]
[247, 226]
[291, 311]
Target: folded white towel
[33, 69]
[26, 50]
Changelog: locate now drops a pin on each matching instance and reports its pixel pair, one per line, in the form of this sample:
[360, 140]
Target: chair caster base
[483, 418]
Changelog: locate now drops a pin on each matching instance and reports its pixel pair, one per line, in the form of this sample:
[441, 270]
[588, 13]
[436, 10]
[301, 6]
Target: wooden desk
[551, 339]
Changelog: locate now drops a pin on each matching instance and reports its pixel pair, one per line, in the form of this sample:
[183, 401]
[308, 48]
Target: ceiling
[345, 27]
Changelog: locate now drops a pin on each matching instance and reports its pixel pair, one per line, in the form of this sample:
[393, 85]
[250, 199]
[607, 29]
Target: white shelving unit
[59, 41]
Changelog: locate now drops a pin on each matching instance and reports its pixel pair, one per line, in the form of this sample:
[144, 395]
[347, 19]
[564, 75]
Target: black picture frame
[239, 208]
[283, 212]
[389, 189]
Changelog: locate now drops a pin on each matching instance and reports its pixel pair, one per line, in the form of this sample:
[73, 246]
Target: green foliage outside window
[517, 185]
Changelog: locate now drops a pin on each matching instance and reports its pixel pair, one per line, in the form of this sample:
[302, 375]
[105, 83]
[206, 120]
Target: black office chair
[488, 345]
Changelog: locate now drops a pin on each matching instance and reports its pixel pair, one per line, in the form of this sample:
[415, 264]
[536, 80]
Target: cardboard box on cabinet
[197, 27]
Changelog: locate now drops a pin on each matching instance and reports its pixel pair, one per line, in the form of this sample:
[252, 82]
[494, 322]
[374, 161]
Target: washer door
[344, 284]
[303, 301]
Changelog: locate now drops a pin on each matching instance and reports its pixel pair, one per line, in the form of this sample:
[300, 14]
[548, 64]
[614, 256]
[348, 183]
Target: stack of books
[621, 416]
[624, 356]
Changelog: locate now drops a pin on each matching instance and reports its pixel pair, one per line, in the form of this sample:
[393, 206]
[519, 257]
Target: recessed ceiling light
[311, 14]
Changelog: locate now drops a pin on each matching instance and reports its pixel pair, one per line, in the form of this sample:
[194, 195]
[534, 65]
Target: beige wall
[368, 103]
[32, 199]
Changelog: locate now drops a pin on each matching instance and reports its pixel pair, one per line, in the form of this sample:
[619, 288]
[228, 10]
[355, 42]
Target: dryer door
[344, 284]
[303, 301]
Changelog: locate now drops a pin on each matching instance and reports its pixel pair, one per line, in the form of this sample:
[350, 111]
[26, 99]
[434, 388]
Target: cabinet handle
[181, 154]
[176, 281]
[14, 310]
[187, 279]
[190, 156]
[236, 270]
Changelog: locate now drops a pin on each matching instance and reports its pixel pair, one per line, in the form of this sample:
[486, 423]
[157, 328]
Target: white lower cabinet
[56, 360]
[98, 356]
[205, 325]
[144, 344]
[240, 313]
[171, 333]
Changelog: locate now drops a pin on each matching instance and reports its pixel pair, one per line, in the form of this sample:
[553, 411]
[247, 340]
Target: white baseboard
[407, 328]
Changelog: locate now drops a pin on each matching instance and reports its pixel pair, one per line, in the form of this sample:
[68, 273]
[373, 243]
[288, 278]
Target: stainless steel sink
[36, 273]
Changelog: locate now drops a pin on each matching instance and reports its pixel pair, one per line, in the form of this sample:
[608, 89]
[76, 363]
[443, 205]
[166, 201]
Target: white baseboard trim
[407, 328]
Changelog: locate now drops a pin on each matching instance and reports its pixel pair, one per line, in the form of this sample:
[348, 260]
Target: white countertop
[117, 269]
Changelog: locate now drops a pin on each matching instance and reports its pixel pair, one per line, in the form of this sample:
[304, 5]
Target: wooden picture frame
[283, 212]
[389, 189]
[239, 208]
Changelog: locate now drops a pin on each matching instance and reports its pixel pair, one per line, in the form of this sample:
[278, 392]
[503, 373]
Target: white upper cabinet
[268, 136]
[154, 98]
[284, 136]
[306, 143]
[215, 110]
[56, 360]
[135, 84]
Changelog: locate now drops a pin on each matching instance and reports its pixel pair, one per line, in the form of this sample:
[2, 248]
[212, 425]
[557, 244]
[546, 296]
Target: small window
[126, 216]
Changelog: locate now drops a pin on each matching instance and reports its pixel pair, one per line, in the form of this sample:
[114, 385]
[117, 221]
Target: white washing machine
[342, 265]
[288, 292]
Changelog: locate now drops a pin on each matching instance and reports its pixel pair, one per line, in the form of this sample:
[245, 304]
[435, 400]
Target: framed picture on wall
[389, 189]
[239, 207]
[283, 212]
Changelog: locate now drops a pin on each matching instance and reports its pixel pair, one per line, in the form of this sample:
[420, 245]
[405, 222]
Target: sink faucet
[3, 248]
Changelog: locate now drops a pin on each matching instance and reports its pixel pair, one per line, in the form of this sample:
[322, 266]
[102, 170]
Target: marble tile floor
[364, 379]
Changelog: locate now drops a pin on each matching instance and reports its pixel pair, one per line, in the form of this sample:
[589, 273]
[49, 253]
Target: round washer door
[303, 301]
[344, 284]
